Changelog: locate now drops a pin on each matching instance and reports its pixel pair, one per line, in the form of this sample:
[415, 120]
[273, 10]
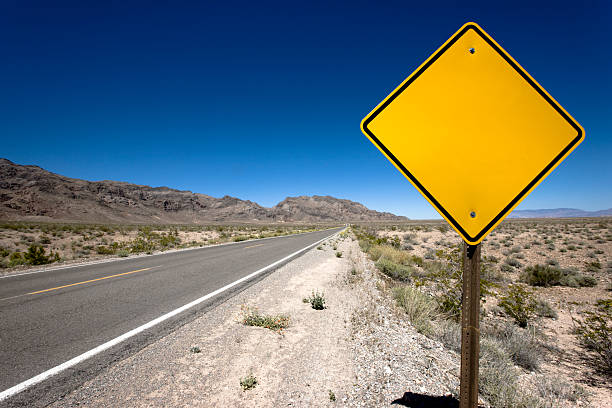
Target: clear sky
[263, 100]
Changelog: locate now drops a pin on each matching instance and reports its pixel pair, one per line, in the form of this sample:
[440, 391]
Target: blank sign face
[473, 132]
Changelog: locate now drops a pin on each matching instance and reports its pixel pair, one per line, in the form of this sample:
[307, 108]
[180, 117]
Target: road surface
[51, 317]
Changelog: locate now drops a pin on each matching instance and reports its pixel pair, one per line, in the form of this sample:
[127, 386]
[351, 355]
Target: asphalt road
[50, 317]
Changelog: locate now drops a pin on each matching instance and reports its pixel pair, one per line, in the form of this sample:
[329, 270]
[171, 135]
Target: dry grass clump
[520, 344]
[389, 253]
[421, 309]
[395, 270]
[553, 391]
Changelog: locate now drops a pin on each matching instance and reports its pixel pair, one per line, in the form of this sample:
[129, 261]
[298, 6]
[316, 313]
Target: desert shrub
[239, 238]
[449, 333]
[595, 333]
[594, 266]
[122, 253]
[141, 244]
[105, 250]
[338, 254]
[547, 275]
[544, 309]
[447, 279]
[417, 260]
[519, 304]
[513, 262]
[420, 308]
[490, 273]
[498, 378]
[249, 382]
[392, 254]
[15, 259]
[553, 391]
[586, 281]
[170, 240]
[552, 262]
[394, 270]
[520, 345]
[316, 300]
[36, 256]
[410, 239]
[252, 317]
[449, 302]
[539, 275]
[332, 396]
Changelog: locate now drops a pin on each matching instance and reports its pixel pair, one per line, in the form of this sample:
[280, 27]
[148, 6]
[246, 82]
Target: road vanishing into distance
[50, 317]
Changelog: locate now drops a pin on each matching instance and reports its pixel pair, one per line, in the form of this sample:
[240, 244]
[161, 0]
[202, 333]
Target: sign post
[470, 327]
[475, 134]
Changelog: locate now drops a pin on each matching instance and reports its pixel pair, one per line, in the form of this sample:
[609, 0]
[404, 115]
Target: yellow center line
[88, 281]
[253, 246]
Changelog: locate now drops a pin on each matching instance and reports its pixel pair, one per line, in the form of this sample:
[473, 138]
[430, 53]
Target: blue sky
[263, 100]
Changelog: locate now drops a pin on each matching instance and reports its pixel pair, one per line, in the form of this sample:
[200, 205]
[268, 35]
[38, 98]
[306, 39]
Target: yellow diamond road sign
[472, 131]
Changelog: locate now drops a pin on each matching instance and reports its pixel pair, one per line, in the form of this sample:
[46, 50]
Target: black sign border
[531, 82]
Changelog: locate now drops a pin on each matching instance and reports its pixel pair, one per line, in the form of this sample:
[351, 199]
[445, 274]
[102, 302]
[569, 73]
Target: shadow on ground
[413, 400]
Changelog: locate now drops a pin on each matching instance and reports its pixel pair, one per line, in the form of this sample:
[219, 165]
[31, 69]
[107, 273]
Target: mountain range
[32, 193]
[560, 213]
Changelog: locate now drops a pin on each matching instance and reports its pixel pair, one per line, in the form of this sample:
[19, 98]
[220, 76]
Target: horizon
[261, 105]
[319, 195]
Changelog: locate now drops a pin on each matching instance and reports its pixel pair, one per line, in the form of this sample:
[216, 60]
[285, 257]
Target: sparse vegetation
[547, 275]
[248, 383]
[332, 396]
[519, 304]
[420, 308]
[316, 300]
[595, 333]
[252, 317]
[55, 242]
[541, 253]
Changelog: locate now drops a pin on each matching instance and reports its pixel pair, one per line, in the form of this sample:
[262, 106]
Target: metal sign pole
[470, 327]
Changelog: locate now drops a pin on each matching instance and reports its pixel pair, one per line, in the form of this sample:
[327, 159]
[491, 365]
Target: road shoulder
[299, 367]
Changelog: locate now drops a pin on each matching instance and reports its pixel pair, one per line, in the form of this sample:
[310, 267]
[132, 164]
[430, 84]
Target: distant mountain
[32, 193]
[326, 208]
[560, 213]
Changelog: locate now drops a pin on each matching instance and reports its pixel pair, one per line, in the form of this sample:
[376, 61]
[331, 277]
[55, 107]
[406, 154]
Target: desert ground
[370, 317]
[24, 245]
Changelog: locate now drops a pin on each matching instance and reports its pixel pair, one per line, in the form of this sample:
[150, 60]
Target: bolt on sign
[472, 131]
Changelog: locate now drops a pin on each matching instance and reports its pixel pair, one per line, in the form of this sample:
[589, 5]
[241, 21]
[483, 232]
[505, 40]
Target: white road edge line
[53, 268]
[102, 347]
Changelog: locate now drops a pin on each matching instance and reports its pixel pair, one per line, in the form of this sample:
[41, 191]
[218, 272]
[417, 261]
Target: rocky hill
[32, 193]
